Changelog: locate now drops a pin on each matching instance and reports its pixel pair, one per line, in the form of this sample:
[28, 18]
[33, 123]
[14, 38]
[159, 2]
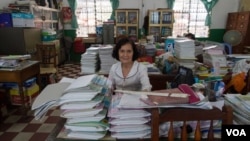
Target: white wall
[5, 3]
[219, 13]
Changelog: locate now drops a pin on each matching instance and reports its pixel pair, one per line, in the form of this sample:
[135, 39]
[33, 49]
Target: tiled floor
[15, 127]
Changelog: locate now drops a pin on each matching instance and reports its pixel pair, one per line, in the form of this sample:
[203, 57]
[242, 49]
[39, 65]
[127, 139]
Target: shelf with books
[127, 22]
[160, 22]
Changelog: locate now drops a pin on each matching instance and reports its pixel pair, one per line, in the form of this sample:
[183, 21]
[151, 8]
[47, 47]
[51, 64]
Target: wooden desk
[20, 74]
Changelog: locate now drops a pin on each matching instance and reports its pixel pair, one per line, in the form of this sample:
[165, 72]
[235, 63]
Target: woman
[127, 73]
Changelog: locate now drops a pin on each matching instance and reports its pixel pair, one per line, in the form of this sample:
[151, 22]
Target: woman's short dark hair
[190, 35]
[120, 43]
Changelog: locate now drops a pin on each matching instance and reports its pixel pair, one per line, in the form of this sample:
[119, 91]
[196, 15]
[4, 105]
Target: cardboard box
[30, 94]
[29, 20]
[18, 19]
[22, 20]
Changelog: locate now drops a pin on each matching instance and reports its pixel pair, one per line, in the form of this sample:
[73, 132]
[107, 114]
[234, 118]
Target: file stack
[185, 52]
[90, 62]
[85, 108]
[83, 102]
[106, 59]
[128, 123]
[241, 107]
[150, 49]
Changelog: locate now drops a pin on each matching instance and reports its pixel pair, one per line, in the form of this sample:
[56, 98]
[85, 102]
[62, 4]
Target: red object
[193, 98]
[79, 46]
[146, 59]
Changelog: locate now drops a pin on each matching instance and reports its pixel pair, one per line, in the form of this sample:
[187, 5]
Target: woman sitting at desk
[128, 74]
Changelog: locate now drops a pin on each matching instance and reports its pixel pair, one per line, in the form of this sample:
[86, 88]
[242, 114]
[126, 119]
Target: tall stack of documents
[128, 123]
[106, 59]
[83, 102]
[184, 49]
[90, 62]
[85, 109]
[241, 107]
[185, 53]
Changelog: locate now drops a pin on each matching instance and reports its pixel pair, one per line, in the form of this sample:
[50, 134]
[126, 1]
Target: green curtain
[170, 3]
[115, 5]
[209, 4]
[72, 5]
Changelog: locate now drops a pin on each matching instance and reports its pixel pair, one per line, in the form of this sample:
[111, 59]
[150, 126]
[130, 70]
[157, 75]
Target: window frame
[190, 22]
[88, 18]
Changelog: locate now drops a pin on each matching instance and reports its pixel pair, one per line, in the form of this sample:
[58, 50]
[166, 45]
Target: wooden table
[20, 74]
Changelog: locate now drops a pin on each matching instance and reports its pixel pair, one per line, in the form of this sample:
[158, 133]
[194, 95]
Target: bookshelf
[160, 22]
[127, 22]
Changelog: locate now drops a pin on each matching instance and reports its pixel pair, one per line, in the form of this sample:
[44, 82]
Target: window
[190, 16]
[91, 13]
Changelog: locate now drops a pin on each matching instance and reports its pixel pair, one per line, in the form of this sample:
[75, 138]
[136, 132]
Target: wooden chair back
[188, 114]
[47, 55]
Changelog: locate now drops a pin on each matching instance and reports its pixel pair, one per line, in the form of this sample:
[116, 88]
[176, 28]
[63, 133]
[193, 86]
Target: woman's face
[126, 53]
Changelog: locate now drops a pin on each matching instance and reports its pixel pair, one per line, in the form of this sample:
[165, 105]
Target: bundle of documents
[106, 59]
[241, 107]
[83, 101]
[189, 62]
[90, 62]
[184, 49]
[128, 123]
[135, 99]
[85, 108]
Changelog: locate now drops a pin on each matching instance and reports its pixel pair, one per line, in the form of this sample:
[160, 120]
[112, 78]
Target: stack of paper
[85, 107]
[83, 101]
[90, 62]
[241, 107]
[150, 49]
[184, 49]
[128, 123]
[106, 59]
[189, 62]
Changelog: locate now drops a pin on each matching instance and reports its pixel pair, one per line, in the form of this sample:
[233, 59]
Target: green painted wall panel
[215, 35]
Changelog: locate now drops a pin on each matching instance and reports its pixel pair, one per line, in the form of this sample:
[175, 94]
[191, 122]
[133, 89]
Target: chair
[227, 48]
[46, 54]
[189, 114]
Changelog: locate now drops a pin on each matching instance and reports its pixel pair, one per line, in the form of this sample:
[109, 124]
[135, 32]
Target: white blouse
[136, 80]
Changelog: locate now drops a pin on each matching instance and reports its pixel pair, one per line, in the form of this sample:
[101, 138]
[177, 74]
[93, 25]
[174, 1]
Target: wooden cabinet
[160, 22]
[127, 22]
[239, 21]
